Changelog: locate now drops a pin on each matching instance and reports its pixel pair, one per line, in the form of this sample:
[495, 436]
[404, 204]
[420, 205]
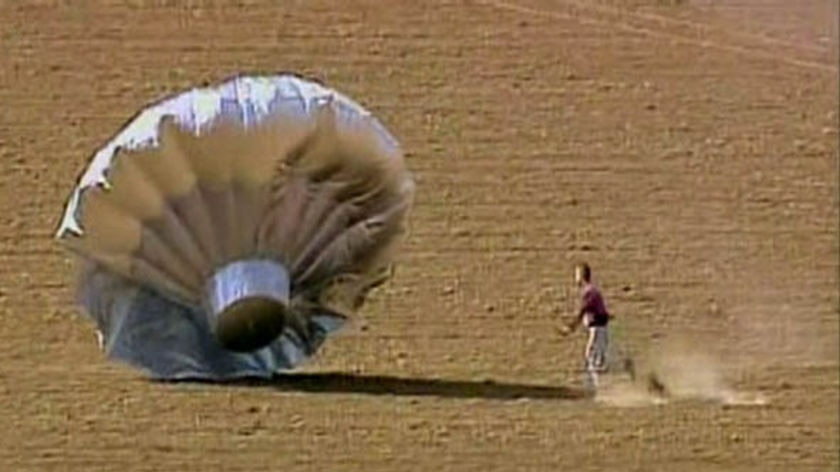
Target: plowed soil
[688, 151]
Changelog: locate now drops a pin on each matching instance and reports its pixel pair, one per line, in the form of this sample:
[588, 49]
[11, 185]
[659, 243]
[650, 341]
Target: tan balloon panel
[166, 164]
[105, 225]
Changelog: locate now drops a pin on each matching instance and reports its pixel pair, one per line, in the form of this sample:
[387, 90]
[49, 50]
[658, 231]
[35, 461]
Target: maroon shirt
[593, 308]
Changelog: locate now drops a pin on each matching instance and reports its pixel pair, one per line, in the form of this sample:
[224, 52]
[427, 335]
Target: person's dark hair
[585, 271]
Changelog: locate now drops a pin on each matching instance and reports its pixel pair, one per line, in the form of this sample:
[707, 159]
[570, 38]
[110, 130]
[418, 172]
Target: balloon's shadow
[343, 383]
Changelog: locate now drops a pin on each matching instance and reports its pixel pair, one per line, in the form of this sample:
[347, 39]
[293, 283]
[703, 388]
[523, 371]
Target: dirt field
[688, 151]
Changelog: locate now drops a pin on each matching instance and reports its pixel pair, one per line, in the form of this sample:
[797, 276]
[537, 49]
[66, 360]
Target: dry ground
[687, 150]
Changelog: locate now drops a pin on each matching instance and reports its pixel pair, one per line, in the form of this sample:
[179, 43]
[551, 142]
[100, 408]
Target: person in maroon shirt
[592, 314]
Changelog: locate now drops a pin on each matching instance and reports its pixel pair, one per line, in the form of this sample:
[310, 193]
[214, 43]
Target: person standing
[592, 314]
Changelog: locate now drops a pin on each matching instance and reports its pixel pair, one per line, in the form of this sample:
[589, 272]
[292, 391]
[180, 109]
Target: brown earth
[687, 150]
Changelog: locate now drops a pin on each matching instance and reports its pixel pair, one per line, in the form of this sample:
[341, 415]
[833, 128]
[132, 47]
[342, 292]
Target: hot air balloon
[229, 230]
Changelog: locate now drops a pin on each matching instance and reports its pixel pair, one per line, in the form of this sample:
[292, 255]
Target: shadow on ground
[406, 386]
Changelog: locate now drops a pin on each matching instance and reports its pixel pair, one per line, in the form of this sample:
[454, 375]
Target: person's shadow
[335, 382]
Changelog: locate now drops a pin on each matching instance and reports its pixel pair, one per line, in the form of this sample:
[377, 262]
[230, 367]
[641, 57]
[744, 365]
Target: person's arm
[584, 307]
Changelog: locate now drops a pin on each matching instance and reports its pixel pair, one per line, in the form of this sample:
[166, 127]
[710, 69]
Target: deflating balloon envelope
[229, 230]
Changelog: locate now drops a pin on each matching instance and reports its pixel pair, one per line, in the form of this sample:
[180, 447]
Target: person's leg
[591, 370]
[600, 348]
[100, 340]
[590, 345]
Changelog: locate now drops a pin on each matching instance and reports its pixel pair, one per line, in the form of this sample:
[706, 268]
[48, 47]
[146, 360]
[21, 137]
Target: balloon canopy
[229, 230]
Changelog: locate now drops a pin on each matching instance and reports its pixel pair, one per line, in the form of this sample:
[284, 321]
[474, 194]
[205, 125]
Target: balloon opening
[250, 324]
[247, 303]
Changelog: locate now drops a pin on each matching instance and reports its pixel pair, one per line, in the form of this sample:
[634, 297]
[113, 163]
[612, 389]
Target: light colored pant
[596, 353]
[596, 348]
